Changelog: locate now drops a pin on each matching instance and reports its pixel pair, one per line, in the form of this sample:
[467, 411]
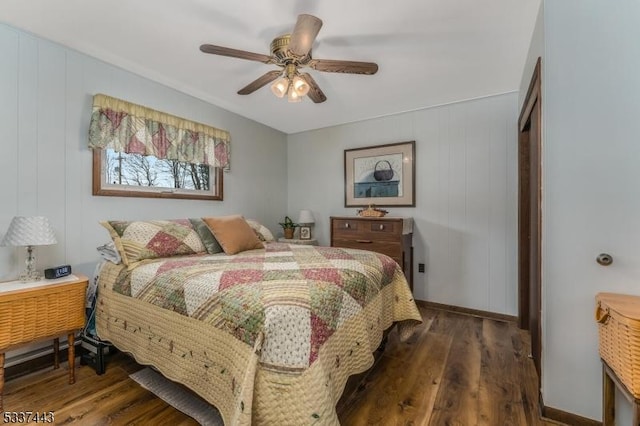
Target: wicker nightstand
[39, 310]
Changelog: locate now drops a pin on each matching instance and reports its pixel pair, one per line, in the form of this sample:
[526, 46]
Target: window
[136, 175]
[141, 152]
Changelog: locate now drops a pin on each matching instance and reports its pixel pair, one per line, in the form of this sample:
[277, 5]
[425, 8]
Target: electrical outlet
[420, 267]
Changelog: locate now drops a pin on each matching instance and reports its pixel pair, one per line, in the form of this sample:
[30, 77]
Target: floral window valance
[131, 128]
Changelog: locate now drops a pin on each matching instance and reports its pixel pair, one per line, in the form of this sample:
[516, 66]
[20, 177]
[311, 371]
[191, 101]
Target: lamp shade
[300, 86]
[29, 231]
[280, 87]
[305, 217]
[292, 95]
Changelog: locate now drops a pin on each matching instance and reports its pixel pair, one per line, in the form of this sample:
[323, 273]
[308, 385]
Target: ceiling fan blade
[259, 82]
[304, 33]
[315, 94]
[235, 53]
[349, 67]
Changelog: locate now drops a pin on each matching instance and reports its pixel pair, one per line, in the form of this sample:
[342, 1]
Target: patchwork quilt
[268, 336]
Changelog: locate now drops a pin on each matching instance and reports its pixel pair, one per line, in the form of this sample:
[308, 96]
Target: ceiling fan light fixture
[280, 87]
[292, 95]
[300, 86]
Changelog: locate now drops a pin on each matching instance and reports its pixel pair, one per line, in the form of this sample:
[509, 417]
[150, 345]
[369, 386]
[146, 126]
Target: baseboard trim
[567, 418]
[467, 311]
[38, 363]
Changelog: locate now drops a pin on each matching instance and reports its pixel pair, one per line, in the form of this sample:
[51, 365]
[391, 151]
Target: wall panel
[27, 107]
[465, 218]
[45, 108]
[591, 103]
[8, 142]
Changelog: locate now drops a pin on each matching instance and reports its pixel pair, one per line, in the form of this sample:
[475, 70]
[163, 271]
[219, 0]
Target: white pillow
[261, 231]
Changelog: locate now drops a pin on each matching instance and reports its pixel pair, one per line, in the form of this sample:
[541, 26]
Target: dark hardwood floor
[457, 369]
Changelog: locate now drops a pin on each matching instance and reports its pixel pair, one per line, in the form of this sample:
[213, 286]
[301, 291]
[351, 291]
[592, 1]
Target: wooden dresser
[387, 235]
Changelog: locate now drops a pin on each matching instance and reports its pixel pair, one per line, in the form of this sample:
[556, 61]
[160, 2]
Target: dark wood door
[535, 218]
[530, 217]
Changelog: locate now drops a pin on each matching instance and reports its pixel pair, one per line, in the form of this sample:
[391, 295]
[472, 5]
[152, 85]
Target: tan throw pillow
[233, 233]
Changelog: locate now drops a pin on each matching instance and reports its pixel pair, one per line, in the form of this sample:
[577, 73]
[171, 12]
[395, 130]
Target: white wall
[591, 104]
[536, 50]
[466, 194]
[45, 167]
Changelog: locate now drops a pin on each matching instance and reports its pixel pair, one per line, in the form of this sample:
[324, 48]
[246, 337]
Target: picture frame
[382, 175]
[305, 232]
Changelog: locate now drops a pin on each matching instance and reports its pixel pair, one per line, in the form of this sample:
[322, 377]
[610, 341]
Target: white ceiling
[429, 52]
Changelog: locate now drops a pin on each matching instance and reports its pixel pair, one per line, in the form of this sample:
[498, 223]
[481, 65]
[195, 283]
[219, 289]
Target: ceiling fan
[292, 52]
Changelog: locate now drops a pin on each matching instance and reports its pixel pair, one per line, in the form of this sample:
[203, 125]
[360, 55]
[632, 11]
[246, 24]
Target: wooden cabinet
[38, 310]
[387, 235]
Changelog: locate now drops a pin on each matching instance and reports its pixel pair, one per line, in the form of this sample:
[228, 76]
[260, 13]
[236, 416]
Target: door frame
[532, 104]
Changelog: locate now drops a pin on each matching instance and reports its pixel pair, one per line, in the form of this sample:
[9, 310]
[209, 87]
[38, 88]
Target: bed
[268, 335]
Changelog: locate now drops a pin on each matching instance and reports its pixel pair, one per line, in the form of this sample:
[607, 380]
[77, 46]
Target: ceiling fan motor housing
[280, 51]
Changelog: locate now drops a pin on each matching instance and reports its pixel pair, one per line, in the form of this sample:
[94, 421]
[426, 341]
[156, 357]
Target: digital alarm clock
[57, 272]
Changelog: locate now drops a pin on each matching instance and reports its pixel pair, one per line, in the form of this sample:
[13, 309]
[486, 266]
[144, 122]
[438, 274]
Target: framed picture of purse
[382, 175]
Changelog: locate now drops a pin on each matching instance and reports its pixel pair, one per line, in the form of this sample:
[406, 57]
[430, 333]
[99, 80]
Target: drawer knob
[381, 227]
[346, 225]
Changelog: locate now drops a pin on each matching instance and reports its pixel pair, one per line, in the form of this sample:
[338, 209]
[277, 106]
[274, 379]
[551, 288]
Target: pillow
[140, 240]
[108, 252]
[233, 233]
[209, 241]
[261, 231]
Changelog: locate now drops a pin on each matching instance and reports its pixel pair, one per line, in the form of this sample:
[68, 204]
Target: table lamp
[29, 231]
[305, 220]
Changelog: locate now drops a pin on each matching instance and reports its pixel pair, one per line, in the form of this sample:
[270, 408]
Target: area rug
[178, 397]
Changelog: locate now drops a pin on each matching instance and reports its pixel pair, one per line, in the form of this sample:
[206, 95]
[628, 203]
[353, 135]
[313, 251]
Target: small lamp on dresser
[29, 231]
[305, 221]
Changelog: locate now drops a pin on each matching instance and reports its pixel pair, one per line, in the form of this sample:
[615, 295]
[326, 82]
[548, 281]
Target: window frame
[100, 188]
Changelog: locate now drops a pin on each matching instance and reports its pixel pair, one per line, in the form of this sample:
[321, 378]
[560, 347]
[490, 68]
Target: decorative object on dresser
[372, 211]
[384, 175]
[305, 221]
[29, 231]
[40, 310]
[392, 236]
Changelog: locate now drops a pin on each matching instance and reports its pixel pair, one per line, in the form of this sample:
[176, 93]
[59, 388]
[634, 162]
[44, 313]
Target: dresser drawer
[390, 249]
[346, 226]
[367, 230]
[381, 228]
